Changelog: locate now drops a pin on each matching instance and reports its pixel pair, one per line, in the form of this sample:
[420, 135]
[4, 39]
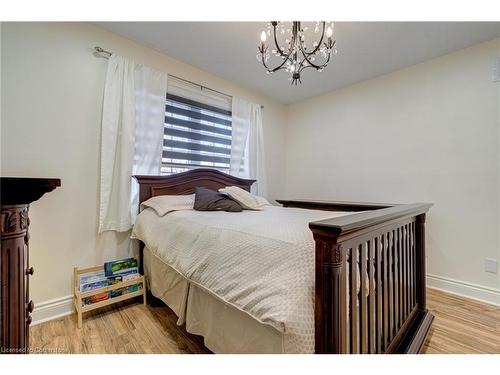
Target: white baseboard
[53, 309]
[464, 289]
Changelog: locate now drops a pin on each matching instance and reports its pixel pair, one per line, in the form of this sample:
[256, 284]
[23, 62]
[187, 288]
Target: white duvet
[261, 262]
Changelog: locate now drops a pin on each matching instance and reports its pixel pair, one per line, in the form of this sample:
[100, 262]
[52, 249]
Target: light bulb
[263, 37]
[329, 32]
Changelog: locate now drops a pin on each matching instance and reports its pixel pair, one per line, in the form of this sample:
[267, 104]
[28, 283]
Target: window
[195, 135]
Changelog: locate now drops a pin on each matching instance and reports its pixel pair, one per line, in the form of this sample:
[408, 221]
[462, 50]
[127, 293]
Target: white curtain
[247, 145]
[132, 137]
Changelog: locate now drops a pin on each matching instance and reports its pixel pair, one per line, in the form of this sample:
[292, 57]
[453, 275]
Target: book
[91, 277]
[118, 266]
[125, 272]
[125, 290]
[95, 298]
[115, 279]
[129, 276]
[97, 280]
[94, 285]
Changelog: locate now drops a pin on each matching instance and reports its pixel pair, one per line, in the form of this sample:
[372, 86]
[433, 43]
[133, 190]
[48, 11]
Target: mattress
[260, 263]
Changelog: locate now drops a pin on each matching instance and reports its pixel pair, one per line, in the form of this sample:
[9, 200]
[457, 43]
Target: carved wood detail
[13, 279]
[13, 220]
[329, 292]
[15, 305]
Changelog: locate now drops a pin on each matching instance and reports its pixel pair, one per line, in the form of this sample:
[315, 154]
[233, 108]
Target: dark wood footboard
[384, 248]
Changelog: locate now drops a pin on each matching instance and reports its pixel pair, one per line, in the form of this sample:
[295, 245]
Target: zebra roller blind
[196, 134]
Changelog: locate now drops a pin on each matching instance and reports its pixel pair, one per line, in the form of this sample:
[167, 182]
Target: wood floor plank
[460, 326]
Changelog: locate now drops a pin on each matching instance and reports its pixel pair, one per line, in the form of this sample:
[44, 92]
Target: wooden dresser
[15, 305]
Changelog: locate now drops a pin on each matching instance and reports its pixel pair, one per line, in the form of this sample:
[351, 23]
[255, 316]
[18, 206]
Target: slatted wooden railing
[383, 300]
[370, 279]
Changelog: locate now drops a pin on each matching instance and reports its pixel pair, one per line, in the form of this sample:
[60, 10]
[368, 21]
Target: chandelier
[291, 52]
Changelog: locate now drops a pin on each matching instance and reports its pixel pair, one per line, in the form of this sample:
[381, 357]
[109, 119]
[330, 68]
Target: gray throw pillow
[209, 200]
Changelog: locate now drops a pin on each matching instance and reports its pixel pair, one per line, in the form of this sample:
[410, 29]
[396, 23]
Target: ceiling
[365, 50]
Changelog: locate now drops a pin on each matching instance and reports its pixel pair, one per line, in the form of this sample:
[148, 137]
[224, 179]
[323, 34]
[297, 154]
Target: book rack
[79, 296]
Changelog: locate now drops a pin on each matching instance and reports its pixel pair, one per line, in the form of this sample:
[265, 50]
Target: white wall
[428, 133]
[52, 88]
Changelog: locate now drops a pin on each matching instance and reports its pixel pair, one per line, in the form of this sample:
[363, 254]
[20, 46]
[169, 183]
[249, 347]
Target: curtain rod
[100, 50]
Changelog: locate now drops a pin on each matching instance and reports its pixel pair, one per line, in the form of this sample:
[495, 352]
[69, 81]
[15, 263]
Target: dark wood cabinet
[15, 304]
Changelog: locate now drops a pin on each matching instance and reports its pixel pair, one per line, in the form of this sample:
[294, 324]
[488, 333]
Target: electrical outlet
[491, 265]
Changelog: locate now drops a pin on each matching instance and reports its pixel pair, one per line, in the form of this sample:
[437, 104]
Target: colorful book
[94, 285]
[115, 279]
[125, 272]
[97, 280]
[125, 290]
[95, 298]
[117, 267]
[88, 278]
[130, 276]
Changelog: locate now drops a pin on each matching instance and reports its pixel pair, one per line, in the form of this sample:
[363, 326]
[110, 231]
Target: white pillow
[163, 204]
[247, 200]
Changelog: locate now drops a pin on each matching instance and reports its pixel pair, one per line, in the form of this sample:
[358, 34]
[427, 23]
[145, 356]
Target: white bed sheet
[260, 262]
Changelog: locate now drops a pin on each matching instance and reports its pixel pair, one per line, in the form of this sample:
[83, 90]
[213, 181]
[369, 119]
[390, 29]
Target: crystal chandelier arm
[278, 48]
[308, 55]
[317, 47]
[285, 59]
[317, 67]
[306, 58]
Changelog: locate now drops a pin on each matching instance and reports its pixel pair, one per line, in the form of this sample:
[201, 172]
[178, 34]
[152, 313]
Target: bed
[307, 277]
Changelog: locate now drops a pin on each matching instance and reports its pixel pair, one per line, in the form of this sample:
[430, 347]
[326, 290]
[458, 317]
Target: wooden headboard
[184, 183]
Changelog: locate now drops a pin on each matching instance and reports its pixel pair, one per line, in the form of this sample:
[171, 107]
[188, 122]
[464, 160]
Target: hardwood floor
[460, 326]
[127, 327]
